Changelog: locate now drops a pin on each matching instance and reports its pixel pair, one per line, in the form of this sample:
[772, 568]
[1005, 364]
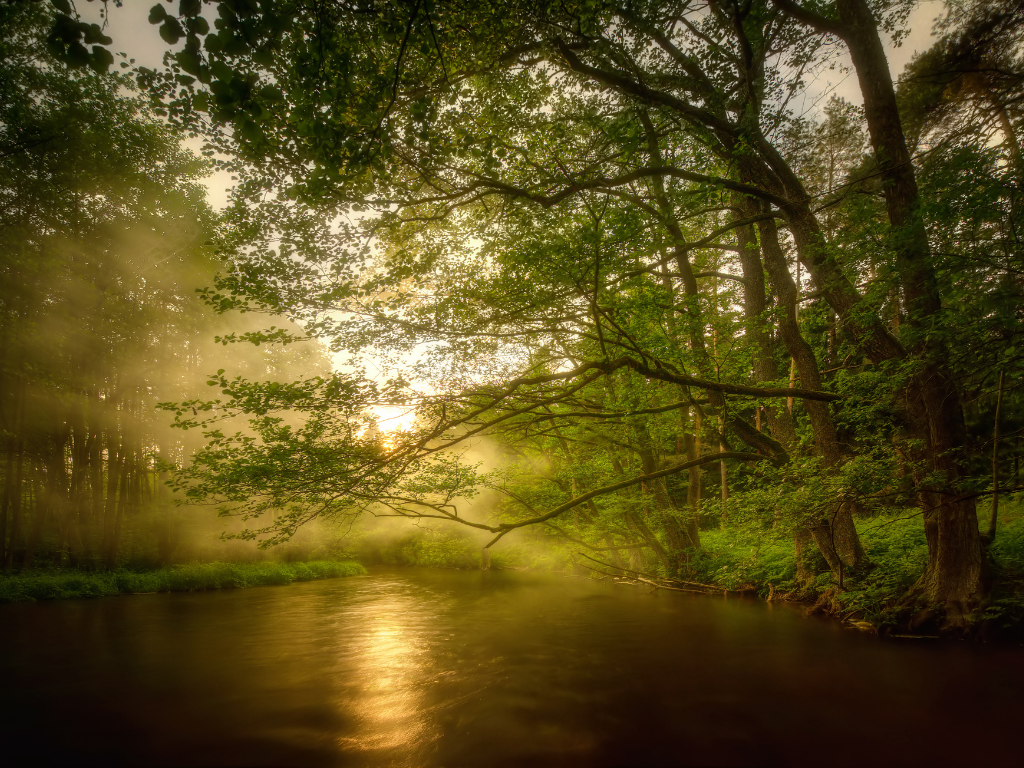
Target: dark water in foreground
[439, 668]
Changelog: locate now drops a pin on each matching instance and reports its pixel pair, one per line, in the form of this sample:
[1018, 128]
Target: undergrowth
[742, 559]
[191, 577]
[763, 562]
[450, 547]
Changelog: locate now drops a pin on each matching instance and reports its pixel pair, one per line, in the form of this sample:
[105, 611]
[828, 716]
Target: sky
[844, 83]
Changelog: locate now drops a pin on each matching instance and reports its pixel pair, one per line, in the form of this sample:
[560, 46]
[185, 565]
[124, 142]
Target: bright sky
[133, 35]
[844, 84]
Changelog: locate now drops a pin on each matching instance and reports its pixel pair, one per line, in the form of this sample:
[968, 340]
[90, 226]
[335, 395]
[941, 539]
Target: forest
[614, 287]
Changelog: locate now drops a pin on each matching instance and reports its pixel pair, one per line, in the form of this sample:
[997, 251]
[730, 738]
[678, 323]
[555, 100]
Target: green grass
[1006, 606]
[759, 560]
[762, 560]
[191, 577]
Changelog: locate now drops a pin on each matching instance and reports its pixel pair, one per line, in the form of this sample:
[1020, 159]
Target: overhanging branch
[662, 374]
[561, 509]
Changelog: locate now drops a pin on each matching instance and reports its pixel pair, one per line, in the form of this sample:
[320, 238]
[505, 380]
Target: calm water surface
[439, 668]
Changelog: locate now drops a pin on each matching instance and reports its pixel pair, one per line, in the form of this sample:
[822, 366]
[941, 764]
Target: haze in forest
[715, 294]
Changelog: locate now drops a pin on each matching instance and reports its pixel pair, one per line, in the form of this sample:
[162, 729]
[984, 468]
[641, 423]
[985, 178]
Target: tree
[663, 123]
[479, 155]
[105, 236]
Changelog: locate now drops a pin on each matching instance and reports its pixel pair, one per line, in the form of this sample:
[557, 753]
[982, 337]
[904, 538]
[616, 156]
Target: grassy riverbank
[191, 577]
[897, 552]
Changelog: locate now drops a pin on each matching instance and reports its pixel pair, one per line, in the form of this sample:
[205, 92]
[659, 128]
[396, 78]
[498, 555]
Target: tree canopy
[599, 234]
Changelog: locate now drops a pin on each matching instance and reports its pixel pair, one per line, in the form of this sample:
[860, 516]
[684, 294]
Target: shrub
[191, 577]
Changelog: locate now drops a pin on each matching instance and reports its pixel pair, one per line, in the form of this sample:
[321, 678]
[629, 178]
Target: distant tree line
[105, 236]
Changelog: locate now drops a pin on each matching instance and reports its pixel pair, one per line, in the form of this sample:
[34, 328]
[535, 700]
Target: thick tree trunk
[953, 578]
[755, 308]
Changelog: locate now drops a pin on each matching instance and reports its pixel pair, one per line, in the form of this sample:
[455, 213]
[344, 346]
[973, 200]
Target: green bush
[1006, 606]
[897, 553]
[758, 558]
[744, 558]
[191, 577]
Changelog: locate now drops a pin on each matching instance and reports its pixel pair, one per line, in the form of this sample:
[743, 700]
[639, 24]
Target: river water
[445, 668]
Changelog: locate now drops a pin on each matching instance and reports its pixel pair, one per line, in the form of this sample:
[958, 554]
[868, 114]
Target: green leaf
[102, 59]
[78, 54]
[222, 71]
[171, 30]
[251, 130]
[189, 62]
[157, 14]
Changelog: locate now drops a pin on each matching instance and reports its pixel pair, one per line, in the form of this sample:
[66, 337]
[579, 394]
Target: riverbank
[756, 559]
[28, 586]
[876, 599]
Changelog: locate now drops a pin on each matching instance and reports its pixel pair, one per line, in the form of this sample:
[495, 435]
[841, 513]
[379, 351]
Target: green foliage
[898, 553]
[746, 558]
[534, 216]
[446, 546]
[105, 237]
[751, 558]
[430, 547]
[189, 577]
[1005, 609]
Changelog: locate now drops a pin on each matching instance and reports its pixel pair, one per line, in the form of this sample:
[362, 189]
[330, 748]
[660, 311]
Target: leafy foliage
[190, 577]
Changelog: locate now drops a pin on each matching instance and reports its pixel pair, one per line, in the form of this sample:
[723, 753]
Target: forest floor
[191, 577]
[874, 600]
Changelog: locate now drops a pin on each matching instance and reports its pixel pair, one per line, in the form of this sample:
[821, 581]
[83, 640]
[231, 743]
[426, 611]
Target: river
[445, 668]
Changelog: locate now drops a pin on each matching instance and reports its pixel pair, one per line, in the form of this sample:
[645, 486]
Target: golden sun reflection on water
[391, 664]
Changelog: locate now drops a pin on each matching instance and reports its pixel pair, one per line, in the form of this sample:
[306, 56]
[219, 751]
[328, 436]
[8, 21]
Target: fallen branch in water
[652, 576]
[674, 589]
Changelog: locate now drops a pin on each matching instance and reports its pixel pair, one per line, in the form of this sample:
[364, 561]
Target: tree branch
[811, 19]
[506, 527]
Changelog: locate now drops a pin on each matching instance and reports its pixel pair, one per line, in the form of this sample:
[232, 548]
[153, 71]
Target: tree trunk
[115, 461]
[122, 504]
[953, 578]
[13, 549]
[836, 537]
[8, 493]
[41, 508]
